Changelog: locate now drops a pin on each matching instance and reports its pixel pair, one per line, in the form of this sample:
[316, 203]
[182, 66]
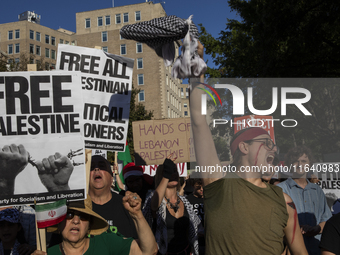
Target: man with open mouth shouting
[106, 203]
[243, 215]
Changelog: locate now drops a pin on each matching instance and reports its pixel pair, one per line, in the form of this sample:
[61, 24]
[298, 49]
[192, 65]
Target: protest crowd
[219, 213]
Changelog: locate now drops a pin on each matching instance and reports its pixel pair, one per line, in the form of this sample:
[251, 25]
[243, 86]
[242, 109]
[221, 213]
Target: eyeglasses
[268, 142]
[82, 216]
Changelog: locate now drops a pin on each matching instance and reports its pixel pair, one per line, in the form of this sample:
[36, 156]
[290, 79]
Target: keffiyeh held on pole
[161, 33]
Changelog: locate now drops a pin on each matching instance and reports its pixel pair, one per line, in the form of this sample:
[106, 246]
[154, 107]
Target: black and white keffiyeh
[161, 33]
[161, 230]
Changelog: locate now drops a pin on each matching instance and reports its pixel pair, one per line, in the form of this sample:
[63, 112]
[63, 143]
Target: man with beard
[108, 204]
[309, 199]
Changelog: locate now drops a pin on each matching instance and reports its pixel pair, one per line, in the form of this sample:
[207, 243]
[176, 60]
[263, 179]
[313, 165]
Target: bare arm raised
[205, 150]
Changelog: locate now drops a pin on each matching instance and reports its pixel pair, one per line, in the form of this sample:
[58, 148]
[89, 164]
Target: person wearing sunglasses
[243, 214]
[83, 231]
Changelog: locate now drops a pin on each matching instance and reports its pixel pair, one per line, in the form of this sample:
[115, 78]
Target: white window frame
[10, 49]
[126, 14]
[38, 34]
[53, 40]
[120, 18]
[101, 20]
[105, 49]
[47, 53]
[141, 46]
[106, 34]
[142, 92]
[17, 48]
[53, 54]
[38, 52]
[47, 39]
[10, 35]
[17, 34]
[123, 47]
[140, 76]
[87, 20]
[138, 61]
[140, 17]
[107, 17]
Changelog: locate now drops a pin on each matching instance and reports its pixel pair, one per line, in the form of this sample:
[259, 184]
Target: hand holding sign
[55, 172]
[13, 159]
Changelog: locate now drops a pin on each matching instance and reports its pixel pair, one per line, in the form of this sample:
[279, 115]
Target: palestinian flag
[50, 214]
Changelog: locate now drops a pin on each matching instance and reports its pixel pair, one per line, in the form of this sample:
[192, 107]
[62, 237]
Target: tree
[284, 39]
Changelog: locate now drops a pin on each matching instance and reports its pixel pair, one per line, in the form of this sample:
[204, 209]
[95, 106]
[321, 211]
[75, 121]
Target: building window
[118, 21]
[53, 40]
[121, 37]
[67, 42]
[32, 34]
[100, 21]
[137, 15]
[122, 49]
[17, 48]
[87, 23]
[31, 49]
[31, 60]
[47, 39]
[141, 96]
[10, 49]
[185, 113]
[37, 50]
[47, 66]
[139, 47]
[47, 53]
[37, 36]
[53, 54]
[107, 20]
[61, 41]
[139, 63]
[185, 105]
[73, 43]
[104, 36]
[105, 49]
[17, 34]
[10, 35]
[16, 60]
[126, 17]
[140, 79]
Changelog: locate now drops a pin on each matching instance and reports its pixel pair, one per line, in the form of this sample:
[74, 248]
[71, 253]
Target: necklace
[175, 206]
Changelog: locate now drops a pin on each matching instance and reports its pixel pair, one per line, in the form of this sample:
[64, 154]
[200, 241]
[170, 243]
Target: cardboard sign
[42, 155]
[265, 122]
[106, 81]
[154, 140]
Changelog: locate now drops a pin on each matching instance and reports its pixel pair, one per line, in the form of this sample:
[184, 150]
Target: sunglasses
[82, 216]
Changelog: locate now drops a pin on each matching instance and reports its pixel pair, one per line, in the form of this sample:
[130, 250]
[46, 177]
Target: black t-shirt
[331, 235]
[198, 206]
[117, 216]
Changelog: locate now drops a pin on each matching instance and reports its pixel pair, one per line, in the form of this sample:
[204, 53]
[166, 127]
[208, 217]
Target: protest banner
[151, 169]
[42, 154]
[106, 81]
[266, 122]
[154, 140]
[329, 179]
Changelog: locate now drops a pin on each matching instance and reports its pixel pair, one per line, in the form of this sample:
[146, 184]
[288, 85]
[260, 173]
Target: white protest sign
[41, 129]
[106, 81]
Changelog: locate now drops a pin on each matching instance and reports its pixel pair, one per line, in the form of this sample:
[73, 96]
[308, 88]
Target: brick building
[160, 92]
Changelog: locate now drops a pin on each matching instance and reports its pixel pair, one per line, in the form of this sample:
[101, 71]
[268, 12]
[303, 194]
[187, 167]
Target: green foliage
[283, 39]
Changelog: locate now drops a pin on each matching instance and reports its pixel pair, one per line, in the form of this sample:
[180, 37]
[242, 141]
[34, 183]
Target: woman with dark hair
[12, 238]
[171, 216]
[81, 221]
